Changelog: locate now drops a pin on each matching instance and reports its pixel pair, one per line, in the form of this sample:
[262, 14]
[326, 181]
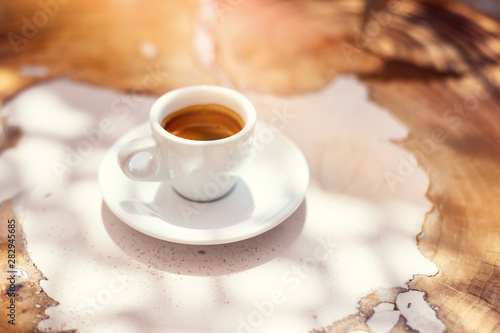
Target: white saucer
[272, 185]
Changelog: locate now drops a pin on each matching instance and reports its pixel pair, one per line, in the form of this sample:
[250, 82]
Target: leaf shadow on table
[205, 260]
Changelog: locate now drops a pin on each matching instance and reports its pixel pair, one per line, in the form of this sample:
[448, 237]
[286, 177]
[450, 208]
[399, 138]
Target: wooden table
[432, 64]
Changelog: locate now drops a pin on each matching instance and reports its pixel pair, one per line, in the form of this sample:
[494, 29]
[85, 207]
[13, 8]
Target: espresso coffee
[203, 122]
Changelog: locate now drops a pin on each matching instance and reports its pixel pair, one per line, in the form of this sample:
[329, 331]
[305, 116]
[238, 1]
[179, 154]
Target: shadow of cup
[205, 260]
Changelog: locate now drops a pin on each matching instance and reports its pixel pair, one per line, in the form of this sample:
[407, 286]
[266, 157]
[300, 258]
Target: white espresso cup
[197, 170]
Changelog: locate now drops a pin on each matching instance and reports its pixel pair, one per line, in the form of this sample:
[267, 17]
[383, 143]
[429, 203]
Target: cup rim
[160, 103]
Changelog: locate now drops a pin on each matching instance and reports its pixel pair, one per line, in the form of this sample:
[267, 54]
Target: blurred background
[491, 7]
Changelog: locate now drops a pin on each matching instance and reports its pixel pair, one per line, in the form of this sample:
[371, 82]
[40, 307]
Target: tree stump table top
[434, 65]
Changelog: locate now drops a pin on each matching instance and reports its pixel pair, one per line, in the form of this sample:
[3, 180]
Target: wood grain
[291, 46]
[455, 128]
[432, 64]
[30, 301]
[101, 43]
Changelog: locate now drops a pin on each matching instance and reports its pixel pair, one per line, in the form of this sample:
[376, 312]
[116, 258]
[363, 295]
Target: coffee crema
[203, 122]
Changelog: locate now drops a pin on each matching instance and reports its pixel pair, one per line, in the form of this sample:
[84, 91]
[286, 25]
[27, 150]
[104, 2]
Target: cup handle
[153, 169]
